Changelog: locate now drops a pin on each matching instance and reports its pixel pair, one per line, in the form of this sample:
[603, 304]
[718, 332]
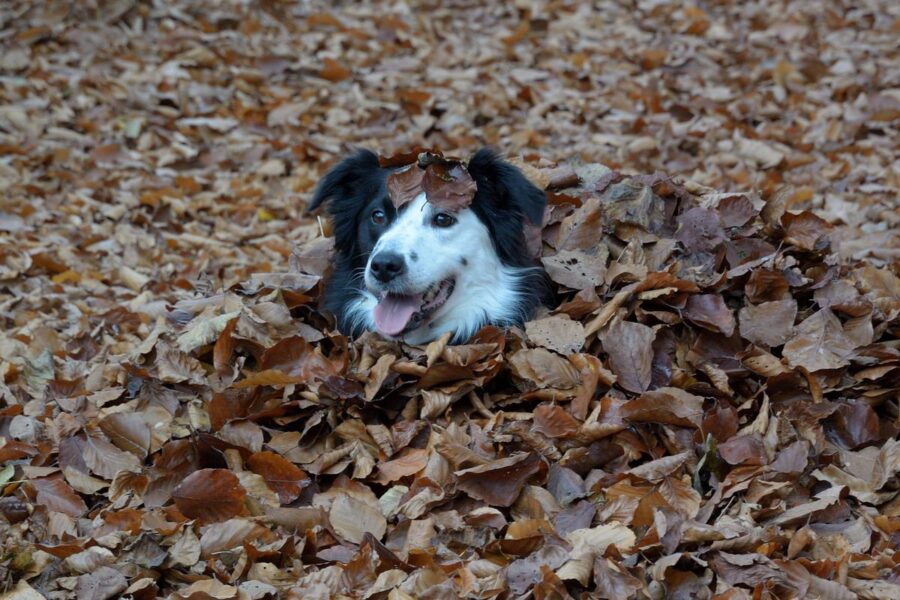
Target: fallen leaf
[284, 477]
[210, 495]
[557, 333]
[819, 343]
[630, 349]
[499, 482]
[768, 324]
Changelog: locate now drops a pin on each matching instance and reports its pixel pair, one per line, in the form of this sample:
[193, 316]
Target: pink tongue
[394, 312]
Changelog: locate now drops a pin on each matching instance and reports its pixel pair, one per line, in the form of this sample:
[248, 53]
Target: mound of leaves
[709, 411]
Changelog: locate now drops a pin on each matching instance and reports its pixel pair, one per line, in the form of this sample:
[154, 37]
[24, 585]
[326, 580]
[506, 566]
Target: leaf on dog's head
[401, 159]
[448, 184]
[405, 184]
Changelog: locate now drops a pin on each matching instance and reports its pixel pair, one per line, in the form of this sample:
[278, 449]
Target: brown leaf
[128, 431]
[101, 584]
[769, 323]
[352, 519]
[334, 71]
[299, 359]
[210, 495]
[554, 421]
[271, 377]
[405, 184]
[744, 450]
[819, 343]
[284, 477]
[224, 348]
[577, 269]
[557, 333]
[499, 482]
[710, 312]
[544, 368]
[699, 229]
[592, 373]
[667, 405]
[105, 460]
[765, 285]
[804, 230]
[630, 349]
[55, 494]
[410, 462]
[579, 230]
[378, 374]
[613, 581]
[448, 185]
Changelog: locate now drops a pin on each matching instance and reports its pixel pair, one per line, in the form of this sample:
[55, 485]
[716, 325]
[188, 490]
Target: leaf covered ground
[710, 411]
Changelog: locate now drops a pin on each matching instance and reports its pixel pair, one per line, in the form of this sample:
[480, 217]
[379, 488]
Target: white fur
[486, 289]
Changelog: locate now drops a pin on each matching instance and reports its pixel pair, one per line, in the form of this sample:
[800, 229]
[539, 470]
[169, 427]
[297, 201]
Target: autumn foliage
[709, 410]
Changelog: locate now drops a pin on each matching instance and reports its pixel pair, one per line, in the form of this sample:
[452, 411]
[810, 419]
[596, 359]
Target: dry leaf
[499, 482]
[210, 495]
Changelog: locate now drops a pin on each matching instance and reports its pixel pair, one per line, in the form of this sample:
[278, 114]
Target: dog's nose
[387, 266]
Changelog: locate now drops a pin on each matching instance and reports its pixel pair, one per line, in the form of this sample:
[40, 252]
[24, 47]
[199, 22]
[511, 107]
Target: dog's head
[425, 265]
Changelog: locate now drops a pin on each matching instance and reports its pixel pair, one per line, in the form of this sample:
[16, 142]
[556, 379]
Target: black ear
[508, 185]
[345, 179]
[346, 189]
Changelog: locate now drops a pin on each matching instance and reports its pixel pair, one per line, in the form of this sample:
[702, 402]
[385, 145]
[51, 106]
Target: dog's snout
[386, 266]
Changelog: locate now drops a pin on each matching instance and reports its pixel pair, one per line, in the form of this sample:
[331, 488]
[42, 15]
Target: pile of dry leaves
[711, 409]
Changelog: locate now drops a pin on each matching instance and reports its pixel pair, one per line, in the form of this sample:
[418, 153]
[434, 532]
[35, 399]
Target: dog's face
[419, 271]
[418, 261]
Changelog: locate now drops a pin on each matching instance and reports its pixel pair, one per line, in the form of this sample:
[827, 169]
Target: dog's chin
[401, 311]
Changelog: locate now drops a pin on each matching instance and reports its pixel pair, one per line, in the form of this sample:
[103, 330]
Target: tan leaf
[554, 421]
[769, 323]
[588, 544]
[544, 368]
[577, 269]
[352, 519]
[819, 343]
[410, 462]
[558, 333]
[630, 349]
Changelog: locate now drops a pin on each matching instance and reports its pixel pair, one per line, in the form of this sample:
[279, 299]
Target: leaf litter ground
[709, 411]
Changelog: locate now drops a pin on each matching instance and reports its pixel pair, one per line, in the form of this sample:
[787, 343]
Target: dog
[415, 273]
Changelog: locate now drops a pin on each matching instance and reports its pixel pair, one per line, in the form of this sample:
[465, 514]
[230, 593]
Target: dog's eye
[378, 217]
[443, 220]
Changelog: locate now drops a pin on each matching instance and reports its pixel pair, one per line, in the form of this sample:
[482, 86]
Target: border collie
[419, 272]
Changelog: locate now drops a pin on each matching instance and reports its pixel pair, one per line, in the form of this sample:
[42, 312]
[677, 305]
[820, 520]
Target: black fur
[357, 186]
